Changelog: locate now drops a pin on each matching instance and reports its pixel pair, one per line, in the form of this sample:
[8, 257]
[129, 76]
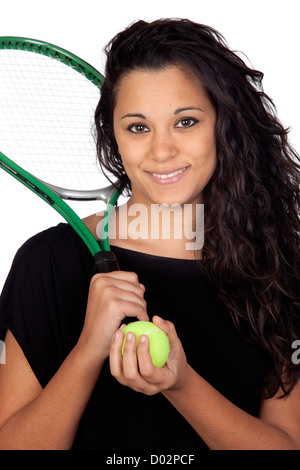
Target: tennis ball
[158, 340]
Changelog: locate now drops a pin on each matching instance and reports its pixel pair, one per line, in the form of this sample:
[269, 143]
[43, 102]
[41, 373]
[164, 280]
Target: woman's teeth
[169, 175]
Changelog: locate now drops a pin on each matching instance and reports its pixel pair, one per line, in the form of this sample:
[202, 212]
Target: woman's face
[164, 125]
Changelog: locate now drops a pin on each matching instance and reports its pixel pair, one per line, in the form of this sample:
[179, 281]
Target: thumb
[165, 325]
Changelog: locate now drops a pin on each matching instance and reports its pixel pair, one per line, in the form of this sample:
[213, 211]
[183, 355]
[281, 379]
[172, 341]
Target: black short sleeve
[44, 298]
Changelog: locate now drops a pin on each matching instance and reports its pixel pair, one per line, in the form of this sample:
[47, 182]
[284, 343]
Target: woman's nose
[162, 147]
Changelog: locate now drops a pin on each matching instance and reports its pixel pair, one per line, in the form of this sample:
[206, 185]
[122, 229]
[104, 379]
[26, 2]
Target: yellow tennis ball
[158, 340]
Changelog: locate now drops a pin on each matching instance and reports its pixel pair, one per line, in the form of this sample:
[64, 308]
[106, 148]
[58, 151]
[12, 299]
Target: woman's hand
[112, 297]
[138, 372]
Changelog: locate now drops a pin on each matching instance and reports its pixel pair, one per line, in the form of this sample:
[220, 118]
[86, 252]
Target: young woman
[182, 121]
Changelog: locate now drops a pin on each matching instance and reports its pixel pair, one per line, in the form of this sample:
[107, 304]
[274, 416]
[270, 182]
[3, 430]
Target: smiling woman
[169, 154]
[182, 122]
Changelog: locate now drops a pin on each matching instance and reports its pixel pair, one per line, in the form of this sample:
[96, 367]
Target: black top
[43, 303]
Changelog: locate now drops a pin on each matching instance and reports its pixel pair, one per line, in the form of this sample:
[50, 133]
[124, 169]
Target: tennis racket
[47, 101]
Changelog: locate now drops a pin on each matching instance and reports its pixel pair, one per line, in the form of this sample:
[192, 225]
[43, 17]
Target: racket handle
[105, 262]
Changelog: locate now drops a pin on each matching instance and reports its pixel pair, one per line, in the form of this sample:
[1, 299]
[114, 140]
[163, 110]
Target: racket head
[47, 101]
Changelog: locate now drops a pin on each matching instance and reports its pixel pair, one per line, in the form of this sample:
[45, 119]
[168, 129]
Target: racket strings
[46, 120]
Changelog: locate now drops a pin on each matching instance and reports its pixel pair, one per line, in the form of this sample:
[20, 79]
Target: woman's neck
[175, 232]
[158, 229]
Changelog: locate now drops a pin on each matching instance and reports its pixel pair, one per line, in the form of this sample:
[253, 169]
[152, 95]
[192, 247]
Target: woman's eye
[186, 123]
[138, 128]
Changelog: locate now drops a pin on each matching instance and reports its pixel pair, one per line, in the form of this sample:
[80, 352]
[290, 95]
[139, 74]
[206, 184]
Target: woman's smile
[167, 176]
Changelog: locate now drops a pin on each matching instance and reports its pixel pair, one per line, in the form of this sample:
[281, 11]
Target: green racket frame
[57, 53]
[104, 259]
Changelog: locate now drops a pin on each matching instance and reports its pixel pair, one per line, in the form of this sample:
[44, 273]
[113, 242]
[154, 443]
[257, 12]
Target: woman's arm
[36, 418]
[220, 423]
[224, 426]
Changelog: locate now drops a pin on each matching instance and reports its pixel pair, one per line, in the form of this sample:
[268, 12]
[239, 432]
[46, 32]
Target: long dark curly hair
[252, 227]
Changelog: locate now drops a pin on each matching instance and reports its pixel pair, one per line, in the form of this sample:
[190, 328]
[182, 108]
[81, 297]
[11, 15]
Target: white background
[265, 30]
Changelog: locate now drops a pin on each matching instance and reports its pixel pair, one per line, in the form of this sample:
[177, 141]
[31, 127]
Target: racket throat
[105, 262]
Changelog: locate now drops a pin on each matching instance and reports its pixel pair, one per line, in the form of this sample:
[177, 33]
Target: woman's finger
[115, 356]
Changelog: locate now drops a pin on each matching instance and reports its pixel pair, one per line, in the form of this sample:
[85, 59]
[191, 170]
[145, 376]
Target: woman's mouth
[167, 176]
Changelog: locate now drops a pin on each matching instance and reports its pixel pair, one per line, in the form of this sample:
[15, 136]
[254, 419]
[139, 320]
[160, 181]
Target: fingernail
[129, 336]
[117, 335]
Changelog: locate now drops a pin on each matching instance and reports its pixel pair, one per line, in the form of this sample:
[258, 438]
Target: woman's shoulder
[58, 245]
[60, 233]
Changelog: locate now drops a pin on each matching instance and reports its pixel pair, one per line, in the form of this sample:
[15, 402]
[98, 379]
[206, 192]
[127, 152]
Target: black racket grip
[106, 262]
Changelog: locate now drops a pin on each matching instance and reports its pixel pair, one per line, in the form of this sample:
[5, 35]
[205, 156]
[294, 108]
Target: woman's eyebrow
[129, 115]
[181, 110]
[177, 111]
